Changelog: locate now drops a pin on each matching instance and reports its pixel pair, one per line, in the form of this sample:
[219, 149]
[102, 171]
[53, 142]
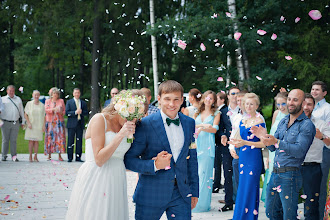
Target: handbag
[20, 120]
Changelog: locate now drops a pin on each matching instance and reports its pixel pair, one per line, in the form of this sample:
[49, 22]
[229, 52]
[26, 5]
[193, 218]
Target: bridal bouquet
[130, 107]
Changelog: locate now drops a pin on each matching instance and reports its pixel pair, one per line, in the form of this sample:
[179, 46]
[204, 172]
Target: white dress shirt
[322, 111]
[175, 136]
[10, 112]
[1, 105]
[315, 151]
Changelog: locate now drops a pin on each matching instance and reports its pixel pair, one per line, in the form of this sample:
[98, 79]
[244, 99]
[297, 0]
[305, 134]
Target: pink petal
[244, 149]
[288, 58]
[252, 147]
[273, 37]
[202, 46]
[241, 165]
[167, 167]
[189, 195]
[279, 190]
[220, 79]
[237, 35]
[209, 148]
[228, 14]
[215, 40]
[217, 44]
[261, 32]
[246, 210]
[173, 216]
[215, 15]
[209, 187]
[258, 78]
[66, 185]
[315, 14]
[229, 113]
[297, 20]
[282, 18]
[276, 145]
[281, 151]
[223, 92]
[7, 197]
[20, 89]
[251, 173]
[182, 44]
[304, 196]
[241, 172]
[278, 164]
[255, 212]
[55, 162]
[233, 83]
[259, 41]
[258, 114]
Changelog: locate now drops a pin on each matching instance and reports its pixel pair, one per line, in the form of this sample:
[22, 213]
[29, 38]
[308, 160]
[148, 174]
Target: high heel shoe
[35, 158]
[60, 159]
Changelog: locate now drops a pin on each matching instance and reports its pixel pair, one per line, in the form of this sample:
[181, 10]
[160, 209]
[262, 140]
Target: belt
[285, 169]
[310, 163]
[9, 121]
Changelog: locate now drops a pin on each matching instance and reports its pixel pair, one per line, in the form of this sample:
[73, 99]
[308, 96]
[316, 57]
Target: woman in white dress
[34, 114]
[194, 97]
[100, 188]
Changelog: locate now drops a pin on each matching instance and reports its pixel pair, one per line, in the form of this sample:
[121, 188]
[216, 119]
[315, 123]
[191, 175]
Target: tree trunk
[239, 53]
[154, 49]
[11, 56]
[82, 62]
[95, 102]
[228, 68]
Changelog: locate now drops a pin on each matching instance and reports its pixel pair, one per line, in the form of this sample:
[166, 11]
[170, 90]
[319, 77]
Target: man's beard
[296, 110]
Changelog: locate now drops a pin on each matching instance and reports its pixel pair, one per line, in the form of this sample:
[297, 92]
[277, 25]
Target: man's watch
[322, 138]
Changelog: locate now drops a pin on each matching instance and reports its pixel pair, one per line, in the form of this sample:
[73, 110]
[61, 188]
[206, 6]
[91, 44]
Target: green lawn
[23, 145]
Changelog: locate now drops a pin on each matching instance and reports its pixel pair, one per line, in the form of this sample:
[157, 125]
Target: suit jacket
[72, 117]
[155, 188]
[224, 126]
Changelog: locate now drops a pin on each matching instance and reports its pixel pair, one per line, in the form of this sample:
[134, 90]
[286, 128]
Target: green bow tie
[174, 121]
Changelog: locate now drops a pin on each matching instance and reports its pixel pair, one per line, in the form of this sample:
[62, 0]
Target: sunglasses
[234, 93]
[281, 104]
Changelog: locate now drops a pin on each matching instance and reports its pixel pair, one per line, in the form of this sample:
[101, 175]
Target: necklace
[249, 122]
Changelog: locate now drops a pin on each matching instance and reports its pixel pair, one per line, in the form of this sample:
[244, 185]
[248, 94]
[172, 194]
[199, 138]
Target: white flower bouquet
[130, 107]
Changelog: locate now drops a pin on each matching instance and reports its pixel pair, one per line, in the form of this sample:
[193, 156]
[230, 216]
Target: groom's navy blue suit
[156, 190]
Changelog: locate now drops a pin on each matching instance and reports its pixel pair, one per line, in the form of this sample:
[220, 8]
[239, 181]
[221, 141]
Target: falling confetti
[315, 14]
[251, 173]
[282, 18]
[255, 212]
[288, 58]
[202, 46]
[189, 195]
[258, 78]
[228, 14]
[241, 165]
[303, 196]
[273, 37]
[237, 35]
[252, 146]
[182, 44]
[261, 32]
[220, 79]
[259, 41]
[246, 210]
[167, 167]
[297, 20]
[241, 172]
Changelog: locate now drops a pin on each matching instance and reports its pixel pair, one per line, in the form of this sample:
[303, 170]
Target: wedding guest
[222, 107]
[292, 139]
[279, 114]
[311, 168]
[35, 121]
[101, 180]
[250, 160]
[12, 116]
[207, 123]
[322, 111]
[76, 110]
[194, 97]
[222, 152]
[113, 92]
[54, 129]
[151, 108]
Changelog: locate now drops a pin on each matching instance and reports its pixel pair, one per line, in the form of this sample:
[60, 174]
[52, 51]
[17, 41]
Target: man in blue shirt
[292, 139]
[113, 92]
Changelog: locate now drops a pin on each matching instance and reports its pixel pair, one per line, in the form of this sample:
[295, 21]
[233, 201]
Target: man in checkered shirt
[152, 109]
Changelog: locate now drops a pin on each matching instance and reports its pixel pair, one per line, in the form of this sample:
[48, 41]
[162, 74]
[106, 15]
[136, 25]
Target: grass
[23, 145]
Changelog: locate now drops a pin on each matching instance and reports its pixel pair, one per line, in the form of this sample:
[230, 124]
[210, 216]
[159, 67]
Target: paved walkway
[42, 190]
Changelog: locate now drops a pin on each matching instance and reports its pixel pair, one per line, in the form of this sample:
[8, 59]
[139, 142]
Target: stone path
[42, 190]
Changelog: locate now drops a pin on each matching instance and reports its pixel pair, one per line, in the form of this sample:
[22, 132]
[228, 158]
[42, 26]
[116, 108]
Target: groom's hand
[194, 201]
[163, 160]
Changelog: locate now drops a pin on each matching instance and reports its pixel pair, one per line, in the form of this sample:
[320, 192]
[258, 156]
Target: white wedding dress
[101, 192]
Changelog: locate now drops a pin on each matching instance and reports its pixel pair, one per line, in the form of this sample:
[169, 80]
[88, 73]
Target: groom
[160, 153]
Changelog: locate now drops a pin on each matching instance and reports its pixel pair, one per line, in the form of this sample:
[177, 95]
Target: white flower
[123, 111]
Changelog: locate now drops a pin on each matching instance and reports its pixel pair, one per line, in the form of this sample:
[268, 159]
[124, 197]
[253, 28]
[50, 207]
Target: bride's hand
[128, 128]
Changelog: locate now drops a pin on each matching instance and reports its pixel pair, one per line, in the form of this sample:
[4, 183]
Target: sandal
[35, 158]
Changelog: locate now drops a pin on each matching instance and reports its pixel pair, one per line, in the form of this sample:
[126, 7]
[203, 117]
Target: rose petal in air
[259, 41]
[252, 146]
[167, 167]
[297, 20]
[251, 173]
[258, 78]
[237, 35]
[315, 14]
[304, 196]
[246, 210]
[66, 185]
[217, 44]
[215, 15]
[228, 14]
[255, 212]
[209, 187]
[173, 216]
[188, 157]
[202, 46]
[282, 151]
[273, 37]
[215, 40]
[7, 197]
[182, 44]
[244, 149]
[241, 165]
[189, 195]
[241, 172]
[288, 58]
[282, 18]
[261, 32]
[233, 83]
[220, 79]
[276, 145]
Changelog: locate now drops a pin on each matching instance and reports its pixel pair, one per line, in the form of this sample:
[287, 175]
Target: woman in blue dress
[250, 161]
[207, 121]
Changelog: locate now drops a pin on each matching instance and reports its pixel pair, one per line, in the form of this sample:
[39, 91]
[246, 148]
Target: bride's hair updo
[110, 109]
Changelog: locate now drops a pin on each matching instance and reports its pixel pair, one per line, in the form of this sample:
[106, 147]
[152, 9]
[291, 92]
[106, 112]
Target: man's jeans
[325, 166]
[312, 175]
[235, 163]
[282, 195]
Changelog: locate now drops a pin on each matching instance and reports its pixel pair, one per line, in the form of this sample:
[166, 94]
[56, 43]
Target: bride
[100, 188]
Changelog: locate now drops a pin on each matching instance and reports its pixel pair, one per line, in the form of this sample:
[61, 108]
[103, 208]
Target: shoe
[4, 158]
[35, 158]
[215, 190]
[221, 201]
[221, 186]
[226, 208]
[79, 160]
[69, 161]
[60, 159]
